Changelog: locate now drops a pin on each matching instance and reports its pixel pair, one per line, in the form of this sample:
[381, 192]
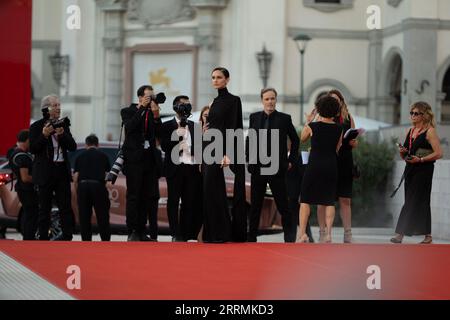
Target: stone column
[208, 39]
[419, 64]
[112, 41]
[375, 63]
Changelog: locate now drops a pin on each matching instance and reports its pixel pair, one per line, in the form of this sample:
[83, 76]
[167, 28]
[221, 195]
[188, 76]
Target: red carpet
[121, 270]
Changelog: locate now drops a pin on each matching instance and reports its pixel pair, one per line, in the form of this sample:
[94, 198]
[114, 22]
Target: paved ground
[360, 235]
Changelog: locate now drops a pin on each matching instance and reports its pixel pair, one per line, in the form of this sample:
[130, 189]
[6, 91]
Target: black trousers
[294, 183]
[30, 213]
[59, 185]
[153, 213]
[140, 180]
[277, 184]
[185, 184]
[93, 194]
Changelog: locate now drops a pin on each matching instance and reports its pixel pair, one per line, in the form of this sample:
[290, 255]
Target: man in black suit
[50, 143]
[142, 124]
[270, 119]
[182, 174]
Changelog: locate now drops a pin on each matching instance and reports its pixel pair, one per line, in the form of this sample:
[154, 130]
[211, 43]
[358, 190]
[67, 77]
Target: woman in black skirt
[420, 150]
[218, 225]
[345, 168]
[320, 178]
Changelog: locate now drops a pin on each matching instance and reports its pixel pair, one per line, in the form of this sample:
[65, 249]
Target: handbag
[422, 152]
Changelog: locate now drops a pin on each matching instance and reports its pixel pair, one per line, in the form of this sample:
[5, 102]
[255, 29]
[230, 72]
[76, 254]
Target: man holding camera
[50, 140]
[182, 174]
[142, 126]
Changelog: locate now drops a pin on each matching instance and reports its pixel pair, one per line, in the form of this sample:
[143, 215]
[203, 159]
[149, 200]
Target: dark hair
[225, 72]
[319, 96]
[91, 140]
[23, 135]
[140, 91]
[328, 107]
[268, 90]
[178, 98]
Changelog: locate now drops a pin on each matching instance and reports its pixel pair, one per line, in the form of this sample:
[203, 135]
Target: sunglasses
[416, 114]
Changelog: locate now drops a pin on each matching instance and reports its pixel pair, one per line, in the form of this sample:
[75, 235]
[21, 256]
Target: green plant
[369, 191]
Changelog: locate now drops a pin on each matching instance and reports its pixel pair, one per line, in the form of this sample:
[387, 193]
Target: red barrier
[15, 69]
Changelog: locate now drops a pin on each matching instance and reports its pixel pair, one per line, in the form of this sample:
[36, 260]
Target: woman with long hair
[204, 113]
[345, 172]
[225, 113]
[420, 150]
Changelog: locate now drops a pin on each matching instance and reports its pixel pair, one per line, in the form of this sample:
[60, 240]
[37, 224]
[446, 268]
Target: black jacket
[167, 145]
[42, 148]
[134, 122]
[282, 122]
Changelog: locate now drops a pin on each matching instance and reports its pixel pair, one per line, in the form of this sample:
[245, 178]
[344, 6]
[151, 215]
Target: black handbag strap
[405, 172]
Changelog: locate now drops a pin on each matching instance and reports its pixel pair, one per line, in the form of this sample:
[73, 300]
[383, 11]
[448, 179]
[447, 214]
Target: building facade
[174, 45]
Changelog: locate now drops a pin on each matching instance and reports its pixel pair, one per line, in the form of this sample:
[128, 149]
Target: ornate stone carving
[156, 12]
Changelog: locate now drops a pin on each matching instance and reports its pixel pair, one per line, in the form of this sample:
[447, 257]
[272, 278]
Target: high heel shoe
[322, 234]
[396, 240]
[303, 239]
[327, 238]
[348, 236]
[427, 240]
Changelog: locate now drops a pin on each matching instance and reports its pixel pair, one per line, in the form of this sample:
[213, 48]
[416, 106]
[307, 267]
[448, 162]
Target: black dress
[345, 166]
[415, 216]
[219, 225]
[320, 179]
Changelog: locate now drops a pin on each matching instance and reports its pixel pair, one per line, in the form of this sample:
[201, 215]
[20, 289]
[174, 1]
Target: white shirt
[57, 151]
[186, 144]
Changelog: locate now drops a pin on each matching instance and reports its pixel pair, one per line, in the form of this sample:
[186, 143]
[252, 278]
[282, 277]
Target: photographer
[182, 175]
[50, 140]
[21, 162]
[142, 125]
[90, 168]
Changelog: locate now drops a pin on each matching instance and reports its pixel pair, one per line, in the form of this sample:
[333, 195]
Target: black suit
[183, 181]
[140, 163]
[52, 177]
[277, 182]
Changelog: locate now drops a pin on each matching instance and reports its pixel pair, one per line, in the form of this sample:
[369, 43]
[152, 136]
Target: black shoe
[59, 237]
[134, 236]
[144, 237]
[251, 239]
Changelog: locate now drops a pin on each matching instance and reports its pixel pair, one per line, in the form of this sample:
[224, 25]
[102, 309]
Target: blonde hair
[425, 108]
[344, 109]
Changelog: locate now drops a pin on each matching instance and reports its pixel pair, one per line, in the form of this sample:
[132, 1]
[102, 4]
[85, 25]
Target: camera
[60, 123]
[159, 98]
[116, 168]
[184, 111]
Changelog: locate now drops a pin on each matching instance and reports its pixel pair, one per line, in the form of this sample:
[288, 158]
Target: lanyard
[146, 121]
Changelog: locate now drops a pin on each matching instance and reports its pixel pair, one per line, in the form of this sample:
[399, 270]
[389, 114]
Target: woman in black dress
[320, 178]
[420, 150]
[345, 172]
[218, 227]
